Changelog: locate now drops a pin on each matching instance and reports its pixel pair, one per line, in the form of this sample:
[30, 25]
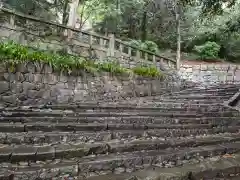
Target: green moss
[13, 54]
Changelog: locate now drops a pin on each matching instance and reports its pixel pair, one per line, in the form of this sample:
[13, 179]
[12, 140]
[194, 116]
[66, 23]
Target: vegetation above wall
[13, 54]
[151, 24]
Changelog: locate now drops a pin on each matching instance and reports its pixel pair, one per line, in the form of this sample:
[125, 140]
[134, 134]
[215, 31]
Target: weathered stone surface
[29, 77]
[16, 87]
[4, 86]
[5, 153]
[69, 151]
[62, 88]
[209, 74]
[45, 153]
[12, 99]
[27, 86]
[23, 153]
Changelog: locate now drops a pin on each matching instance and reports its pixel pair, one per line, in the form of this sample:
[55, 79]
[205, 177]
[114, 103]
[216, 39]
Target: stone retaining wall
[38, 84]
[211, 74]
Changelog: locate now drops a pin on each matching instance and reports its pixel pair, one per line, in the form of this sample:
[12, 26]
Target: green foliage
[13, 54]
[147, 71]
[40, 8]
[208, 51]
[112, 67]
[147, 45]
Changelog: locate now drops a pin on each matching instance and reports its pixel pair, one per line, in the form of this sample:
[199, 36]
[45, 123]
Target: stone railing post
[12, 20]
[111, 45]
[178, 64]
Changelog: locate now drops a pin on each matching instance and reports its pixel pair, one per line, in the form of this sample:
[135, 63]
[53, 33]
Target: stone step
[201, 97]
[28, 153]
[163, 107]
[208, 91]
[129, 164]
[217, 120]
[47, 113]
[143, 145]
[185, 97]
[72, 109]
[213, 88]
[185, 105]
[97, 114]
[55, 137]
[198, 97]
[73, 127]
[186, 101]
[112, 107]
[157, 102]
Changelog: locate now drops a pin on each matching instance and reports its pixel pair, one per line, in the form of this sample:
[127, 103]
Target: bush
[208, 51]
[147, 71]
[147, 45]
[13, 54]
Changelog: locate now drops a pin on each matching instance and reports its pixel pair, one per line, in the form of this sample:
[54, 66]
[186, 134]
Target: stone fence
[50, 36]
[211, 73]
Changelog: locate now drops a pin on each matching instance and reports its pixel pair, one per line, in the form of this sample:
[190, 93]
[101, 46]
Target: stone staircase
[182, 135]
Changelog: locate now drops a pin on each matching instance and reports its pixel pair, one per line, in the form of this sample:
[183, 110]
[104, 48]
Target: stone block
[12, 99]
[49, 79]
[16, 87]
[37, 78]
[204, 67]
[47, 69]
[79, 95]
[10, 77]
[27, 86]
[19, 77]
[31, 67]
[5, 153]
[23, 153]
[29, 77]
[38, 67]
[188, 70]
[34, 94]
[46, 94]
[63, 98]
[55, 92]
[62, 78]
[69, 151]
[4, 86]
[22, 68]
[45, 153]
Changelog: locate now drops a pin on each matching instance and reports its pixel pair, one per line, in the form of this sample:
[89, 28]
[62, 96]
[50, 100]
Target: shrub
[150, 46]
[147, 71]
[208, 51]
[13, 54]
[147, 45]
[112, 67]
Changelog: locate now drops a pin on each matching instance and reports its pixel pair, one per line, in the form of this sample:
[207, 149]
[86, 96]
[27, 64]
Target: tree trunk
[65, 13]
[130, 27]
[178, 26]
[73, 13]
[144, 27]
[72, 17]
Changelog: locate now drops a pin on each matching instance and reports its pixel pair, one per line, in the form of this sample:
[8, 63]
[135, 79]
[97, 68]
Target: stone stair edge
[28, 152]
[205, 151]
